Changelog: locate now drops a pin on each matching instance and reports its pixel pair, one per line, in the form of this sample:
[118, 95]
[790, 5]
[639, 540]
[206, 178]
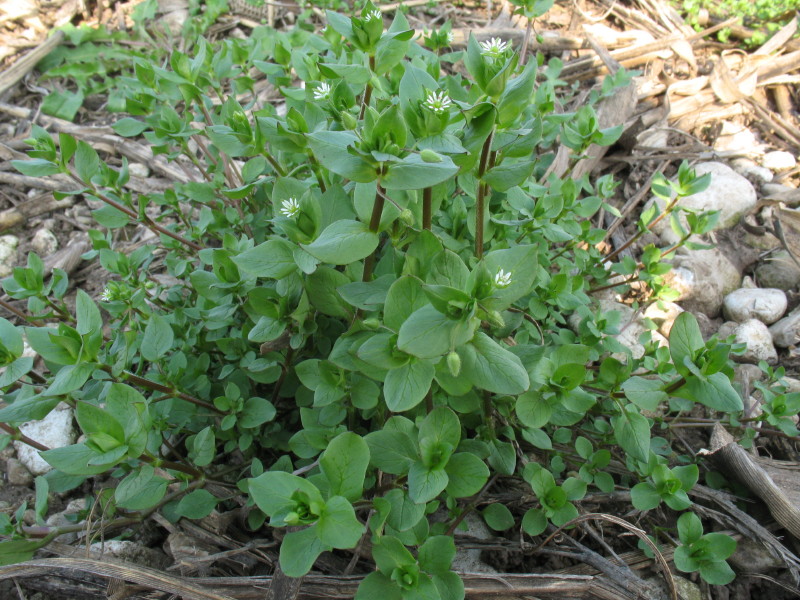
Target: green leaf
[498, 517]
[683, 560]
[403, 513]
[403, 298]
[425, 484]
[375, 585]
[517, 96]
[300, 550]
[406, 386]
[644, 496]
[717, 573]
[427, 333]
[95, 421]
[110, 217]
[467, 473]
[129, 127]
[256, 412]
[69, 378]
[533, 410]
[62, 104]
[337, 525]
[273, 490]
[203, 448]
[685, 340]
[196, 504]
[273, 259]
[491, 367]
[18, 551]
[344, 463]
[534, 522]
[157, 339]
[330, 148]
[690, 528]
[647, 394]
[413, 173]
[87, 314]
[632, 432]
[449, 585]
[716, 392]
[391, 451]
[437, 554]
[507, 175]
[141, 489]
[390, 553]
[87, 162]
[441, 425]
[36, 167]
[343, 242]
[15, 370]
[10, 340]
[73, 460]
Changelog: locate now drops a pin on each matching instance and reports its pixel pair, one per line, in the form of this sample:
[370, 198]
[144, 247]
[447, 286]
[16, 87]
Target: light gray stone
[778, 160]
[786, 332]
[8, 254]
[728, 192]
[44, 242]
[738, 138]
[702, 279]
[17, 473]
[138, 170]
[756, 336]
[468, 560]
[755, 173]
[778, 271]
[663, 314]
[132, 552]
[54, 431]
[765, 304]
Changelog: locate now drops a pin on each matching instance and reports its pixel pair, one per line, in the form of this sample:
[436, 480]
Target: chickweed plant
[356, 317]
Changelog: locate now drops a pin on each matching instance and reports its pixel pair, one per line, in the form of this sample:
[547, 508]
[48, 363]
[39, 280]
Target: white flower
[494, 47]
[106, 295]
[450, 38]
[502, 279]
[371, 16]
[438, 102]
[290, 207]
[322, 91]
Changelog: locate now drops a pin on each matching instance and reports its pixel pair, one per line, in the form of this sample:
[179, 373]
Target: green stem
[367, 90]
[427, 193]
[479, 201]
[374, 225]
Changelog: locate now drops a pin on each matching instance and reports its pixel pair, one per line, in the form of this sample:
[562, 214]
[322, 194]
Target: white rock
[468, 560]
[755, 173]
[702, 279]
[663, 314]
[786, 332]
[766, 305]
[8, 254]
[728, 192]
[131, 552]
[739, 138]
[44, 242]
[778, 271]
[138, 170]
[17, 474]
[779, 161]
[756, 336]
[54, 431]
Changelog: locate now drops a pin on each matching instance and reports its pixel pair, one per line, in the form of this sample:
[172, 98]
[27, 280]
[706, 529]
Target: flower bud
[495, 318]
[348, 120]
[429, 156]
[454, 363]
[372, 323]
[407, 216]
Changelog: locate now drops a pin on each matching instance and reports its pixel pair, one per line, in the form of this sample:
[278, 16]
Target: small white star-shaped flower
[438, 102]
[494, 47]
[106, 295]
[290, 207]
[372, 15]
[322, 91]
[502, 279]
[449, 38]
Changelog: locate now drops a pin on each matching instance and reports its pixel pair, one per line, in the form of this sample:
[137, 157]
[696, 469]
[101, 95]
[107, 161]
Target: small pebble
[8, 254]
[17, 474]
[44, 242]
[766, 305]
[779, 160]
